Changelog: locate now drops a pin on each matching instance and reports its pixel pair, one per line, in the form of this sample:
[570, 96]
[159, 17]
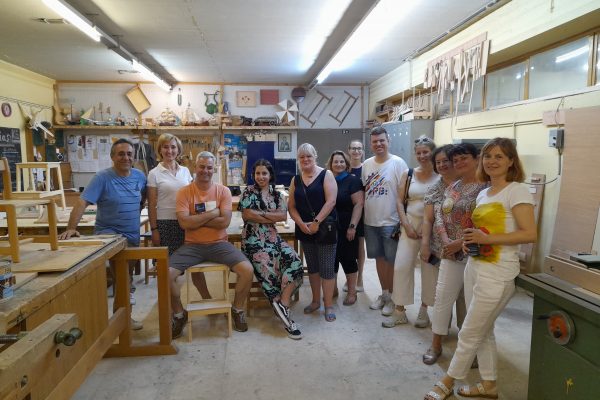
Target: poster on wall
[235, 152]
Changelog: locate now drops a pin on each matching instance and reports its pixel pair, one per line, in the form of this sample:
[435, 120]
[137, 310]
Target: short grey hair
[307, 148]
[206, 154]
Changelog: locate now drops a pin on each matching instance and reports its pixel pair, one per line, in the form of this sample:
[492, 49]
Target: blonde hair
[166, 138]
[307, 148]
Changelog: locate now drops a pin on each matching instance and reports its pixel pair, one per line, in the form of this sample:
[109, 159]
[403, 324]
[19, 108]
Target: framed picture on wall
[245, 98]
[284, 142]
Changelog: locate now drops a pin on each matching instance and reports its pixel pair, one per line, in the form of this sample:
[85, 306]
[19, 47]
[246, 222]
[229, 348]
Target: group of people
[461, 212]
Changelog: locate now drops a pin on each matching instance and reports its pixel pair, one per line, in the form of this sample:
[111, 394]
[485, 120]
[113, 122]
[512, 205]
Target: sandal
[329, 314]
[476, 391]
[312, 307]
[433, 395]
[349, 300]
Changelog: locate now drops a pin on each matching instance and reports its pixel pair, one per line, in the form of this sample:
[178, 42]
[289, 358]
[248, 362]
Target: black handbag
[327, 233]
[398, 228]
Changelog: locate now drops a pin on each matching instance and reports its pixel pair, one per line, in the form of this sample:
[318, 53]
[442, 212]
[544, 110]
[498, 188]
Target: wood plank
[52, 290]
[22, 278]
[579, 198]
[37, 257]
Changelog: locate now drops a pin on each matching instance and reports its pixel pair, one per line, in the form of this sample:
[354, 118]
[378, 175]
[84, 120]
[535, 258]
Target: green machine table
[565, 338]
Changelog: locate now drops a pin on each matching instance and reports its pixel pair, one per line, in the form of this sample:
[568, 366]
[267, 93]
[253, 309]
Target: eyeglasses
[356, 148]
[423, 140]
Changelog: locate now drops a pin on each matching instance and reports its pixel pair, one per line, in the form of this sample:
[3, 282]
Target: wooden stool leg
[13, 233]
[52, 222]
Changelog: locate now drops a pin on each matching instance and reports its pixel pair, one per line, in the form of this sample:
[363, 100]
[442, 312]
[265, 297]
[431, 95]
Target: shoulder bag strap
[407, 186]
[312, 213]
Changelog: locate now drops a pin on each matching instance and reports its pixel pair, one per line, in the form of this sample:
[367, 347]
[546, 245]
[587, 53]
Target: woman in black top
[356, 153]
[349, 206]
[312, 199]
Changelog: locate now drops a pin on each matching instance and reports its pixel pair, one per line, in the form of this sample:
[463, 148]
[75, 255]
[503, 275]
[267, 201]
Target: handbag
[398, 228]
[327, 233]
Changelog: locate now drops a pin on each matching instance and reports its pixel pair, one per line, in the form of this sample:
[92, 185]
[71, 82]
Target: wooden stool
[10, 203]
[25, 182]
[209, 306]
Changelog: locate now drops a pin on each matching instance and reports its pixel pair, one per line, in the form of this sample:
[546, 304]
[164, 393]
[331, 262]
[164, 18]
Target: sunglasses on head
[423, 140]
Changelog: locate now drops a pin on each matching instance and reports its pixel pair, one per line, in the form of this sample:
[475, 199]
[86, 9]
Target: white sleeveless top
[416, 193]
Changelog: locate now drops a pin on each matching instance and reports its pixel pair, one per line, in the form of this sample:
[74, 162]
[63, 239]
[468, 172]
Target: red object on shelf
[269, 96]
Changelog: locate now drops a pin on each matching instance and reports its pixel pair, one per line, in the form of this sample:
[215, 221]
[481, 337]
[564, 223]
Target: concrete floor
[351, 358]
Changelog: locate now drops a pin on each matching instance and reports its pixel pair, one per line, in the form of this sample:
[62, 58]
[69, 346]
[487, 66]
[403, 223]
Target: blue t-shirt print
[118, 202]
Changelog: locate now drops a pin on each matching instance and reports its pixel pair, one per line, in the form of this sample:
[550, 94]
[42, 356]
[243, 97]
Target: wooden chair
[9, 205]
[208, 306]
[25, 181]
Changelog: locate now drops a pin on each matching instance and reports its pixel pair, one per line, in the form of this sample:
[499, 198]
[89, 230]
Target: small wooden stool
[25, 182]
[10, 203]
[209, 306]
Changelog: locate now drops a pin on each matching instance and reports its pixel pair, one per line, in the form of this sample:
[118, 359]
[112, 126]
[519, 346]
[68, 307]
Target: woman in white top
[423, 178]
[163, 183]
[503, 219]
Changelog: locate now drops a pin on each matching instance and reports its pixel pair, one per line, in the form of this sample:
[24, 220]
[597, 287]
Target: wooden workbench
[80, 290]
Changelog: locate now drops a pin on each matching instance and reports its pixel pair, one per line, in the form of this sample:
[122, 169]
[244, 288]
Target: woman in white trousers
[410, 209]
[456, 207]
[502, 220]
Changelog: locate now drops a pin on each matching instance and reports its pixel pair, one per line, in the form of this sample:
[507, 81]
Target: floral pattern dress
[455, 213]
[275, 262]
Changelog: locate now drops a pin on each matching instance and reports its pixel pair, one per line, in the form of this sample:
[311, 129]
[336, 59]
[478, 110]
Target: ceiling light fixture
[147, 74]
[374, 27]
[74, 18]
[329, 15]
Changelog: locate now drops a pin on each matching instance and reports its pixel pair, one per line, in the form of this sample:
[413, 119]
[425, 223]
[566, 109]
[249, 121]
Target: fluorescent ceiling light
[329, 15]
[73, 17]
[371, 31]
[572, 54]
[149, 75]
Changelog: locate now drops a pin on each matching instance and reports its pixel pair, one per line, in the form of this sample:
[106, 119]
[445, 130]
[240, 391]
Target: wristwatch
[352, 226]
[316, 221]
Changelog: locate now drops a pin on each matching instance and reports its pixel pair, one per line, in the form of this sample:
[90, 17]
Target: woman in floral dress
[276, 265]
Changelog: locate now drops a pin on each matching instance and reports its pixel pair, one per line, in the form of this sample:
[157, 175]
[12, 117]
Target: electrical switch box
[556, 138]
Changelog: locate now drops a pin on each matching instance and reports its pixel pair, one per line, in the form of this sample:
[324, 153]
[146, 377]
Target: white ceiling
[234, 41]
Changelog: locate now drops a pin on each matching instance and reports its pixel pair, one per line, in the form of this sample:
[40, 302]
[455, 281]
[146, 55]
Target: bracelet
[154, 229]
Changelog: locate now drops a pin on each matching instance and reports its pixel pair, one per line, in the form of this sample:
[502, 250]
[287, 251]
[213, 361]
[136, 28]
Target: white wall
[84, 96]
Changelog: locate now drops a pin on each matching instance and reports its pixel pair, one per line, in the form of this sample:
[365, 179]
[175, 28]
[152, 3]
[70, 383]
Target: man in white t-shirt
[381, 179]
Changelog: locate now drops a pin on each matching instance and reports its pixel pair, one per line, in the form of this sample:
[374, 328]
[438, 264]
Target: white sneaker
[360, 288]
[378, 303]
[131, 299]
[423, 318]
[396, 318]
[388, 308]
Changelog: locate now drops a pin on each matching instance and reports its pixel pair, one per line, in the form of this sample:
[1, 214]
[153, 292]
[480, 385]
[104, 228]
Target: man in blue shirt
[118, 193]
